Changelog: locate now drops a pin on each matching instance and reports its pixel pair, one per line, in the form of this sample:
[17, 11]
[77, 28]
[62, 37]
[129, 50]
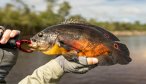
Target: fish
[80, 39]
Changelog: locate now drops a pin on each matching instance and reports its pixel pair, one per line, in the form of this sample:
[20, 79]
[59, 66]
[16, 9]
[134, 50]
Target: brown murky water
[133, 73]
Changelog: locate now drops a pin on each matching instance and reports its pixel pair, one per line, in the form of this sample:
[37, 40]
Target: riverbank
[117, 33]
[129, 33]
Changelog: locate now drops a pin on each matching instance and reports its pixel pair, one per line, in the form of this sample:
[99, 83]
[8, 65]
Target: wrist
[53, 67]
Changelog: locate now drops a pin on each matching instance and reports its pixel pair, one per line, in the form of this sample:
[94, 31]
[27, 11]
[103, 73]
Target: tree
[26, 20]
[24, 5]
[64, 9]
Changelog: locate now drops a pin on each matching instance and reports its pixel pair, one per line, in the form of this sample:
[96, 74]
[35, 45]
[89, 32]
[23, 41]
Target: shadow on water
[133, 73]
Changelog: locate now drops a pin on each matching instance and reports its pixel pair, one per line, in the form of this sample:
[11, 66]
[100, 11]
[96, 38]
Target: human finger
[87, 61]
[82, 70]
[6, 36]
[92, 61]
[14, 33]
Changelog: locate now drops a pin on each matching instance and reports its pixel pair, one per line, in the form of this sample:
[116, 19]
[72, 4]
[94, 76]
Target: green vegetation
[27, 20]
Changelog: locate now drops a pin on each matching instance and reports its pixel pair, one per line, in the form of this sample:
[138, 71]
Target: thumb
[92, 60]
[87, 61]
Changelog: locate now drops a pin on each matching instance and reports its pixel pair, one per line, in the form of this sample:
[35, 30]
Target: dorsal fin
[74, 21]
[83, 22]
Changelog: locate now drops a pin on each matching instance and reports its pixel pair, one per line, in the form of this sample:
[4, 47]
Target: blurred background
[124, 18]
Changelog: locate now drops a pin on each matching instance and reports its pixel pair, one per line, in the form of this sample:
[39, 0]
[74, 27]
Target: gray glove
[8, 59]
[81, 66]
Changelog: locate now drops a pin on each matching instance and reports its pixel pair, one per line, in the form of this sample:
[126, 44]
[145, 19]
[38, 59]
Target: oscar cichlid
[81, 39]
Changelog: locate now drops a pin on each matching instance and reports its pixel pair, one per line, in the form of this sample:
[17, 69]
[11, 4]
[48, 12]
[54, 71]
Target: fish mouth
[33, 45]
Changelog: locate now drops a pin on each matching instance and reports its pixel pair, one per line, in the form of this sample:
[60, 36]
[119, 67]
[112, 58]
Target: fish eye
[40, 34]
[116, 46]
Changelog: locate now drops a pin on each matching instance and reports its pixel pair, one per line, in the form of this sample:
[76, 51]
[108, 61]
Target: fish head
[43, 41]
[120, 53]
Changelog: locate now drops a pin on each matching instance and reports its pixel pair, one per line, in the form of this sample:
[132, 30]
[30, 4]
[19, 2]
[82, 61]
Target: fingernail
[95, 61]
[3, 41]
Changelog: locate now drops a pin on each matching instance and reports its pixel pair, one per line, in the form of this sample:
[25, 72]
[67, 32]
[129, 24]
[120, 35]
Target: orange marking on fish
[82, 44]
[89, 49]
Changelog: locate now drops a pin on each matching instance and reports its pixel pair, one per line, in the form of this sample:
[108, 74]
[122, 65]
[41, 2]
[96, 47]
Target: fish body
[82, 39]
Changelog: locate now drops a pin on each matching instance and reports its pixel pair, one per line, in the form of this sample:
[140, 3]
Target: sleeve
[8, 59]
[49, 73]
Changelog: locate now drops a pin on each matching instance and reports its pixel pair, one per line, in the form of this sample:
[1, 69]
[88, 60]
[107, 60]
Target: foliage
[30, 22]
[119, 26]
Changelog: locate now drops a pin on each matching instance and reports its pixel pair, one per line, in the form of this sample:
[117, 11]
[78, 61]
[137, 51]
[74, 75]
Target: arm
[48, 73]
[8, 57]
[51, 72]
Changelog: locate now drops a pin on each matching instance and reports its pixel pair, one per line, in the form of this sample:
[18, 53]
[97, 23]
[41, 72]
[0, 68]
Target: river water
[133, 73]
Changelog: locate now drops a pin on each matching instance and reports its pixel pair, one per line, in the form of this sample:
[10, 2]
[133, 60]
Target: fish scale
[87, 40]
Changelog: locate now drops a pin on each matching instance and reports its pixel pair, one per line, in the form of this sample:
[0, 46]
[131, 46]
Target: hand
[8, 56]
[82, 66]
[7, 34]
